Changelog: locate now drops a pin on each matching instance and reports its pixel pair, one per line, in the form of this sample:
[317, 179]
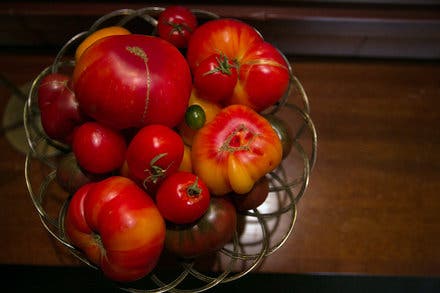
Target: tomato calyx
[239, 140]
[156, 172]
[178, 27]
[98, 240]
[194, 190]
[224, 66]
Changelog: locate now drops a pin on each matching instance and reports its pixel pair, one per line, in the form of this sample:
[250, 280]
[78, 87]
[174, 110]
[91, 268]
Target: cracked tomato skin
[133, 80]
[117, 226]
[234, 150]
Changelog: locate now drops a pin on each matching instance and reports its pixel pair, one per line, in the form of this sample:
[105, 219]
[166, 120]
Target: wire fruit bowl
[260, 232]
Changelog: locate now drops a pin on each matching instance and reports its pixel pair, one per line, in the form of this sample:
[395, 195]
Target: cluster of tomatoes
[164, 130]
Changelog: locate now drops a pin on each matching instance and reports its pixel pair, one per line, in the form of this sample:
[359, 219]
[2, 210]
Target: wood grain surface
[373, 203]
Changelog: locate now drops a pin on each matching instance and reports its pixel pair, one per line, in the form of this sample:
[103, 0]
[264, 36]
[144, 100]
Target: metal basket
[262, 231]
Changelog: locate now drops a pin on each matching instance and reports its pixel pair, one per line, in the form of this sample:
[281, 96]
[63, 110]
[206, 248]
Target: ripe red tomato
[117, 226]
[263, 74]
[176, 24]
[98, 148]
[234, 150]
[133, 80]
[182, 198]
[154, 153]
[210, 233]
[215, 78]
[60, 112]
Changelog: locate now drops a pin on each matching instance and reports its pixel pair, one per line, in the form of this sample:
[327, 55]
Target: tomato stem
[224, 66]
[156, 172]
[179, 27]
[194, 190]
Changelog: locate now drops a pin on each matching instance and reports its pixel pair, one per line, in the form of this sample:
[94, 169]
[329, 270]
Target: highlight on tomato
[117, 226]
[236, 149]
[263, 73]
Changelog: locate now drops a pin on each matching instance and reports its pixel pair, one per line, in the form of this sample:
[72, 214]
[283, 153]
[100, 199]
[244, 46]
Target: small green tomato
[195, 117]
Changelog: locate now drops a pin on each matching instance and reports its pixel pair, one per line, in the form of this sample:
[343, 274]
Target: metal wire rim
[55, 227]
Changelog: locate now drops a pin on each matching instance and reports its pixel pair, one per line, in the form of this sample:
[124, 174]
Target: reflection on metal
[263, 230]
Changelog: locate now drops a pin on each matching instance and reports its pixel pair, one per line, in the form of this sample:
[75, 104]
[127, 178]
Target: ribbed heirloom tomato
[234, 150]
[117, 226]
[263, 73]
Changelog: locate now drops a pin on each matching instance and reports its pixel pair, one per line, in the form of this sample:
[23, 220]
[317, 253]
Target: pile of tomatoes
[167, 137]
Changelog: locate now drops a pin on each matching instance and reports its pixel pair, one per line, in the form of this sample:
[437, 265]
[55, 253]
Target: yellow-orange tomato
[211, 110]
[186, 164]
[99, 34]
[236, 149]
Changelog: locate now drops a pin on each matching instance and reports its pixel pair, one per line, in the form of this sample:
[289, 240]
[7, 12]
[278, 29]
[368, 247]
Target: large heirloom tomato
[210, 233]
[133, 80]
[234, 150]
[117, 226]
[263, 74]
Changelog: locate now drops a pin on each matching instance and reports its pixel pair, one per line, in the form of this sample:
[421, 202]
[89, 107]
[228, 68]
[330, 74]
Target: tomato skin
[156, 90]
[154, 153]
[99, 34]
[176, 25]
[234, 150]
[182, 198]
[263, 73]
[186, 164]
[264, 77]
[60, 113]
[117, 226]
[209, 234]
[98, 149]
[215, 78]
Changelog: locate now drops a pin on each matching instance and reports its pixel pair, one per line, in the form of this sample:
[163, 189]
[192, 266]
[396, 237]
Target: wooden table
[373, 203]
